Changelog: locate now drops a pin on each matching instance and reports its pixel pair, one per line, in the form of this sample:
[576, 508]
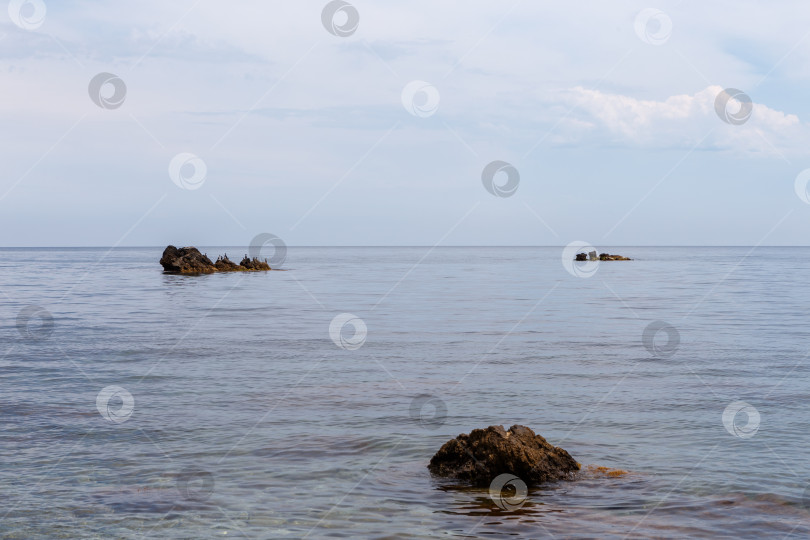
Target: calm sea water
[247, 420]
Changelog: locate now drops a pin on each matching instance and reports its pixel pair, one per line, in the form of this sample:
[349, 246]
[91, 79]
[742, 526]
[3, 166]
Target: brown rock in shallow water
[486, 453]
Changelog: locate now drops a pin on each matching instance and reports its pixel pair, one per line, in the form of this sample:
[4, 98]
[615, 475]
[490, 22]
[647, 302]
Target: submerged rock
[486, 453]
[189, 260]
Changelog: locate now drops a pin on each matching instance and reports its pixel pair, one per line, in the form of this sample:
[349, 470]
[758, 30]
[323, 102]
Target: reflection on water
[249, 420]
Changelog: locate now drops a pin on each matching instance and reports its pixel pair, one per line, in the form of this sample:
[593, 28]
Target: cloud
[683, 120]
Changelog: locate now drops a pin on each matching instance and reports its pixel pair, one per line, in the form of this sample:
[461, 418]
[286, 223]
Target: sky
[446, 122]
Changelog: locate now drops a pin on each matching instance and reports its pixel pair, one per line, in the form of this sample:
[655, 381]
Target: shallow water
[249, 421]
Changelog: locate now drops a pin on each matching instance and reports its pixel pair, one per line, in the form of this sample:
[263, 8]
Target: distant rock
[602, 257]
[224, 264]
[487, 453]
[254, 264]
[609, 257]
[189, 260]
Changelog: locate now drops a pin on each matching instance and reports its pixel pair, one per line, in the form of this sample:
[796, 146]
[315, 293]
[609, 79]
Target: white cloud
[683, 120]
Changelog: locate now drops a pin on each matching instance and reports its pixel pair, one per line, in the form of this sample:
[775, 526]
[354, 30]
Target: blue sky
[606, 111]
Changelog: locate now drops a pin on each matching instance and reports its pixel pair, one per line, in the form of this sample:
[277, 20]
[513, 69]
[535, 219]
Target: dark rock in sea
[602, 257]
[189, 260]
[609, 257]
[254, 264]
[486, 453]
[224, 264]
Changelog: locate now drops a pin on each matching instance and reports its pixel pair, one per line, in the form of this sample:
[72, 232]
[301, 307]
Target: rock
[486, 453]
[601, 257]
[254, 264]
[609, 257]
[189, 260]
[224, 264]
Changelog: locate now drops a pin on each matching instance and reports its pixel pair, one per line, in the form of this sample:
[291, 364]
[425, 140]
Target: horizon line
[421, 246]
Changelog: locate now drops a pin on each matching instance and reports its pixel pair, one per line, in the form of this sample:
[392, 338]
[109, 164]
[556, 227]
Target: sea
[307, 402]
